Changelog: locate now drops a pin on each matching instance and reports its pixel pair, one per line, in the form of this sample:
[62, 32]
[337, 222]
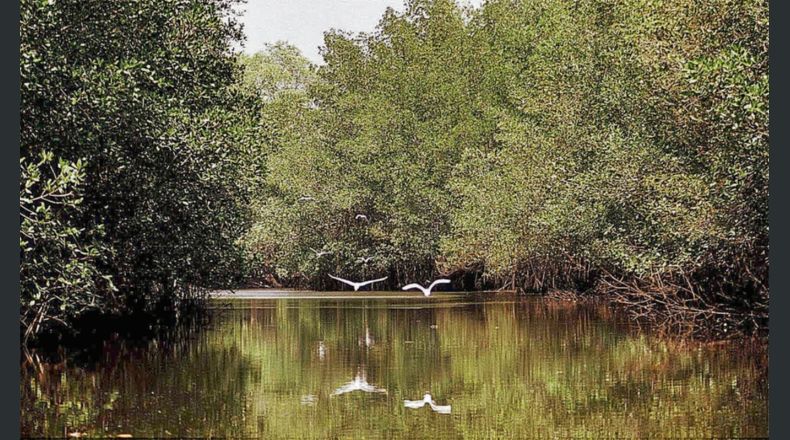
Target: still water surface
[343, 368]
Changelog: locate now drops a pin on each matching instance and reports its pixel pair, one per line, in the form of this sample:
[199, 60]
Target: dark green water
[291, 368]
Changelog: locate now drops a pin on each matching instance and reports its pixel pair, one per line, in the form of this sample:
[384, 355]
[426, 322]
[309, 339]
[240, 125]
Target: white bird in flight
[320, 254]
[356, 286]
[426, 291]
[415, 404]
[364, 259]
[305, 198]
[360, 383]
[361, 216]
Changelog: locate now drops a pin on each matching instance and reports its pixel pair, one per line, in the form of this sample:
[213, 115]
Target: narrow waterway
[308, 364]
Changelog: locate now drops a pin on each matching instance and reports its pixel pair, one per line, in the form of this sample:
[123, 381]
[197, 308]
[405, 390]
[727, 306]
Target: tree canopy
[610, 147]
[137, 103]
[550, 144]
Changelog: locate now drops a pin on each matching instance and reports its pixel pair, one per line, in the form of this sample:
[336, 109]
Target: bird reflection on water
[368, 340]
[359, 383]
[308, 400]
[427, 399]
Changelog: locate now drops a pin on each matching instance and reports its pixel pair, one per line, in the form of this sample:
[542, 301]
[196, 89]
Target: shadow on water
[507, 367]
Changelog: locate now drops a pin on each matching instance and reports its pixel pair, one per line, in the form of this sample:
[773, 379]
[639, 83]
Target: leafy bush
[143, 95]
[59, 270]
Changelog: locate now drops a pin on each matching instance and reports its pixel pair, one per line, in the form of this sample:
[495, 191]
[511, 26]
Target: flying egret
[360, 383]
[320, 254]
[426, 291]
[361, 216]
[305, 198]
[415, 404]
[356, 286]
[364, 259]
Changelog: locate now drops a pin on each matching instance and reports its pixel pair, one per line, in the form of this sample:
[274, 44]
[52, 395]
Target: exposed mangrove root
[673, 301]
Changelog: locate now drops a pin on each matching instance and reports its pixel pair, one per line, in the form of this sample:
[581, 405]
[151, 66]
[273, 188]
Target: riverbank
[311, 294]
[679, 327]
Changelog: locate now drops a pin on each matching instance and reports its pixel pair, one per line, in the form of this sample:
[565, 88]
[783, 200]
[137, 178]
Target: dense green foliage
[612, 146]
[622, 145]
[137, 101]
[59, 274]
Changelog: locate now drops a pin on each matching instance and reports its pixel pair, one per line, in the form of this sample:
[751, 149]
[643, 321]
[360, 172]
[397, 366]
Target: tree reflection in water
[533, 368]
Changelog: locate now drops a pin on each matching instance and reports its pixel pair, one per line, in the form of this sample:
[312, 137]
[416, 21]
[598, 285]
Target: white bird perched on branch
[320, 253]
[426, 291]
[356, 286]
[441, 409]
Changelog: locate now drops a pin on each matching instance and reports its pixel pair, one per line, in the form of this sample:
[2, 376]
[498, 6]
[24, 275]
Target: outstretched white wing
[365, 283]
[358, 384]
[346, 388]
[368, 388]
[414, 403]
[439, 281]
[441, 409]
[412, 286]
[350, 283]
